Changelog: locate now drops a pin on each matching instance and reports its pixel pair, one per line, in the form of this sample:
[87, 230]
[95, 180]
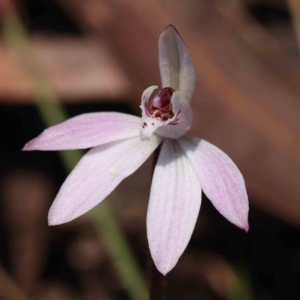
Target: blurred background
[99, 55]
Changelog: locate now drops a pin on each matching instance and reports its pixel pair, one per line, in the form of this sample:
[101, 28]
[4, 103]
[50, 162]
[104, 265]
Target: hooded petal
[220, 179]
[176, 64]
[96, 176]
[85, 131]
[173, 207]
[182, 120]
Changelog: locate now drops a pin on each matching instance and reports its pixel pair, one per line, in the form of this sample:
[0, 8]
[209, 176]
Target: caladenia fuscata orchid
[122, 143]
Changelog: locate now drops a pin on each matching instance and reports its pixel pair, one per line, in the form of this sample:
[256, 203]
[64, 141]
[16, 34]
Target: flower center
[161, 106]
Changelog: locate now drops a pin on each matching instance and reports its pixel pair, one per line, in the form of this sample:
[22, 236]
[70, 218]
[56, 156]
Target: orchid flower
[122, 143]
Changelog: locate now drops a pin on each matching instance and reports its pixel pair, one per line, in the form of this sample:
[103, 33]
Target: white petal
[96, 176]
[173, 207]
[176, 64]
[179, 125]
[220, 179]
[150, 124]
[86, 131]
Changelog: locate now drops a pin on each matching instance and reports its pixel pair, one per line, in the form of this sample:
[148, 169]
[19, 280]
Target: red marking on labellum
[161, 107]
[174, 122]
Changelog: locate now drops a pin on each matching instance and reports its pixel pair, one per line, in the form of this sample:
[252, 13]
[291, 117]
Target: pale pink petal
[176, 64]
[182, 120]
[173, 207]
[96, 176]
[220, 179]
[86, 131]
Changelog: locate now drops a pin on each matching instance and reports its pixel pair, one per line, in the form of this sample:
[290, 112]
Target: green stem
[52, 113]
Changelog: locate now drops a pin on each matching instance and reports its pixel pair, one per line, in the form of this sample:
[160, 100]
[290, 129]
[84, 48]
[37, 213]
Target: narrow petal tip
[164, 267]
[28, 146]
[164, 272]
[52, 222]
[246, 227]
[59, 215]
[242, 224]
[57, 218]
[170, 26]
